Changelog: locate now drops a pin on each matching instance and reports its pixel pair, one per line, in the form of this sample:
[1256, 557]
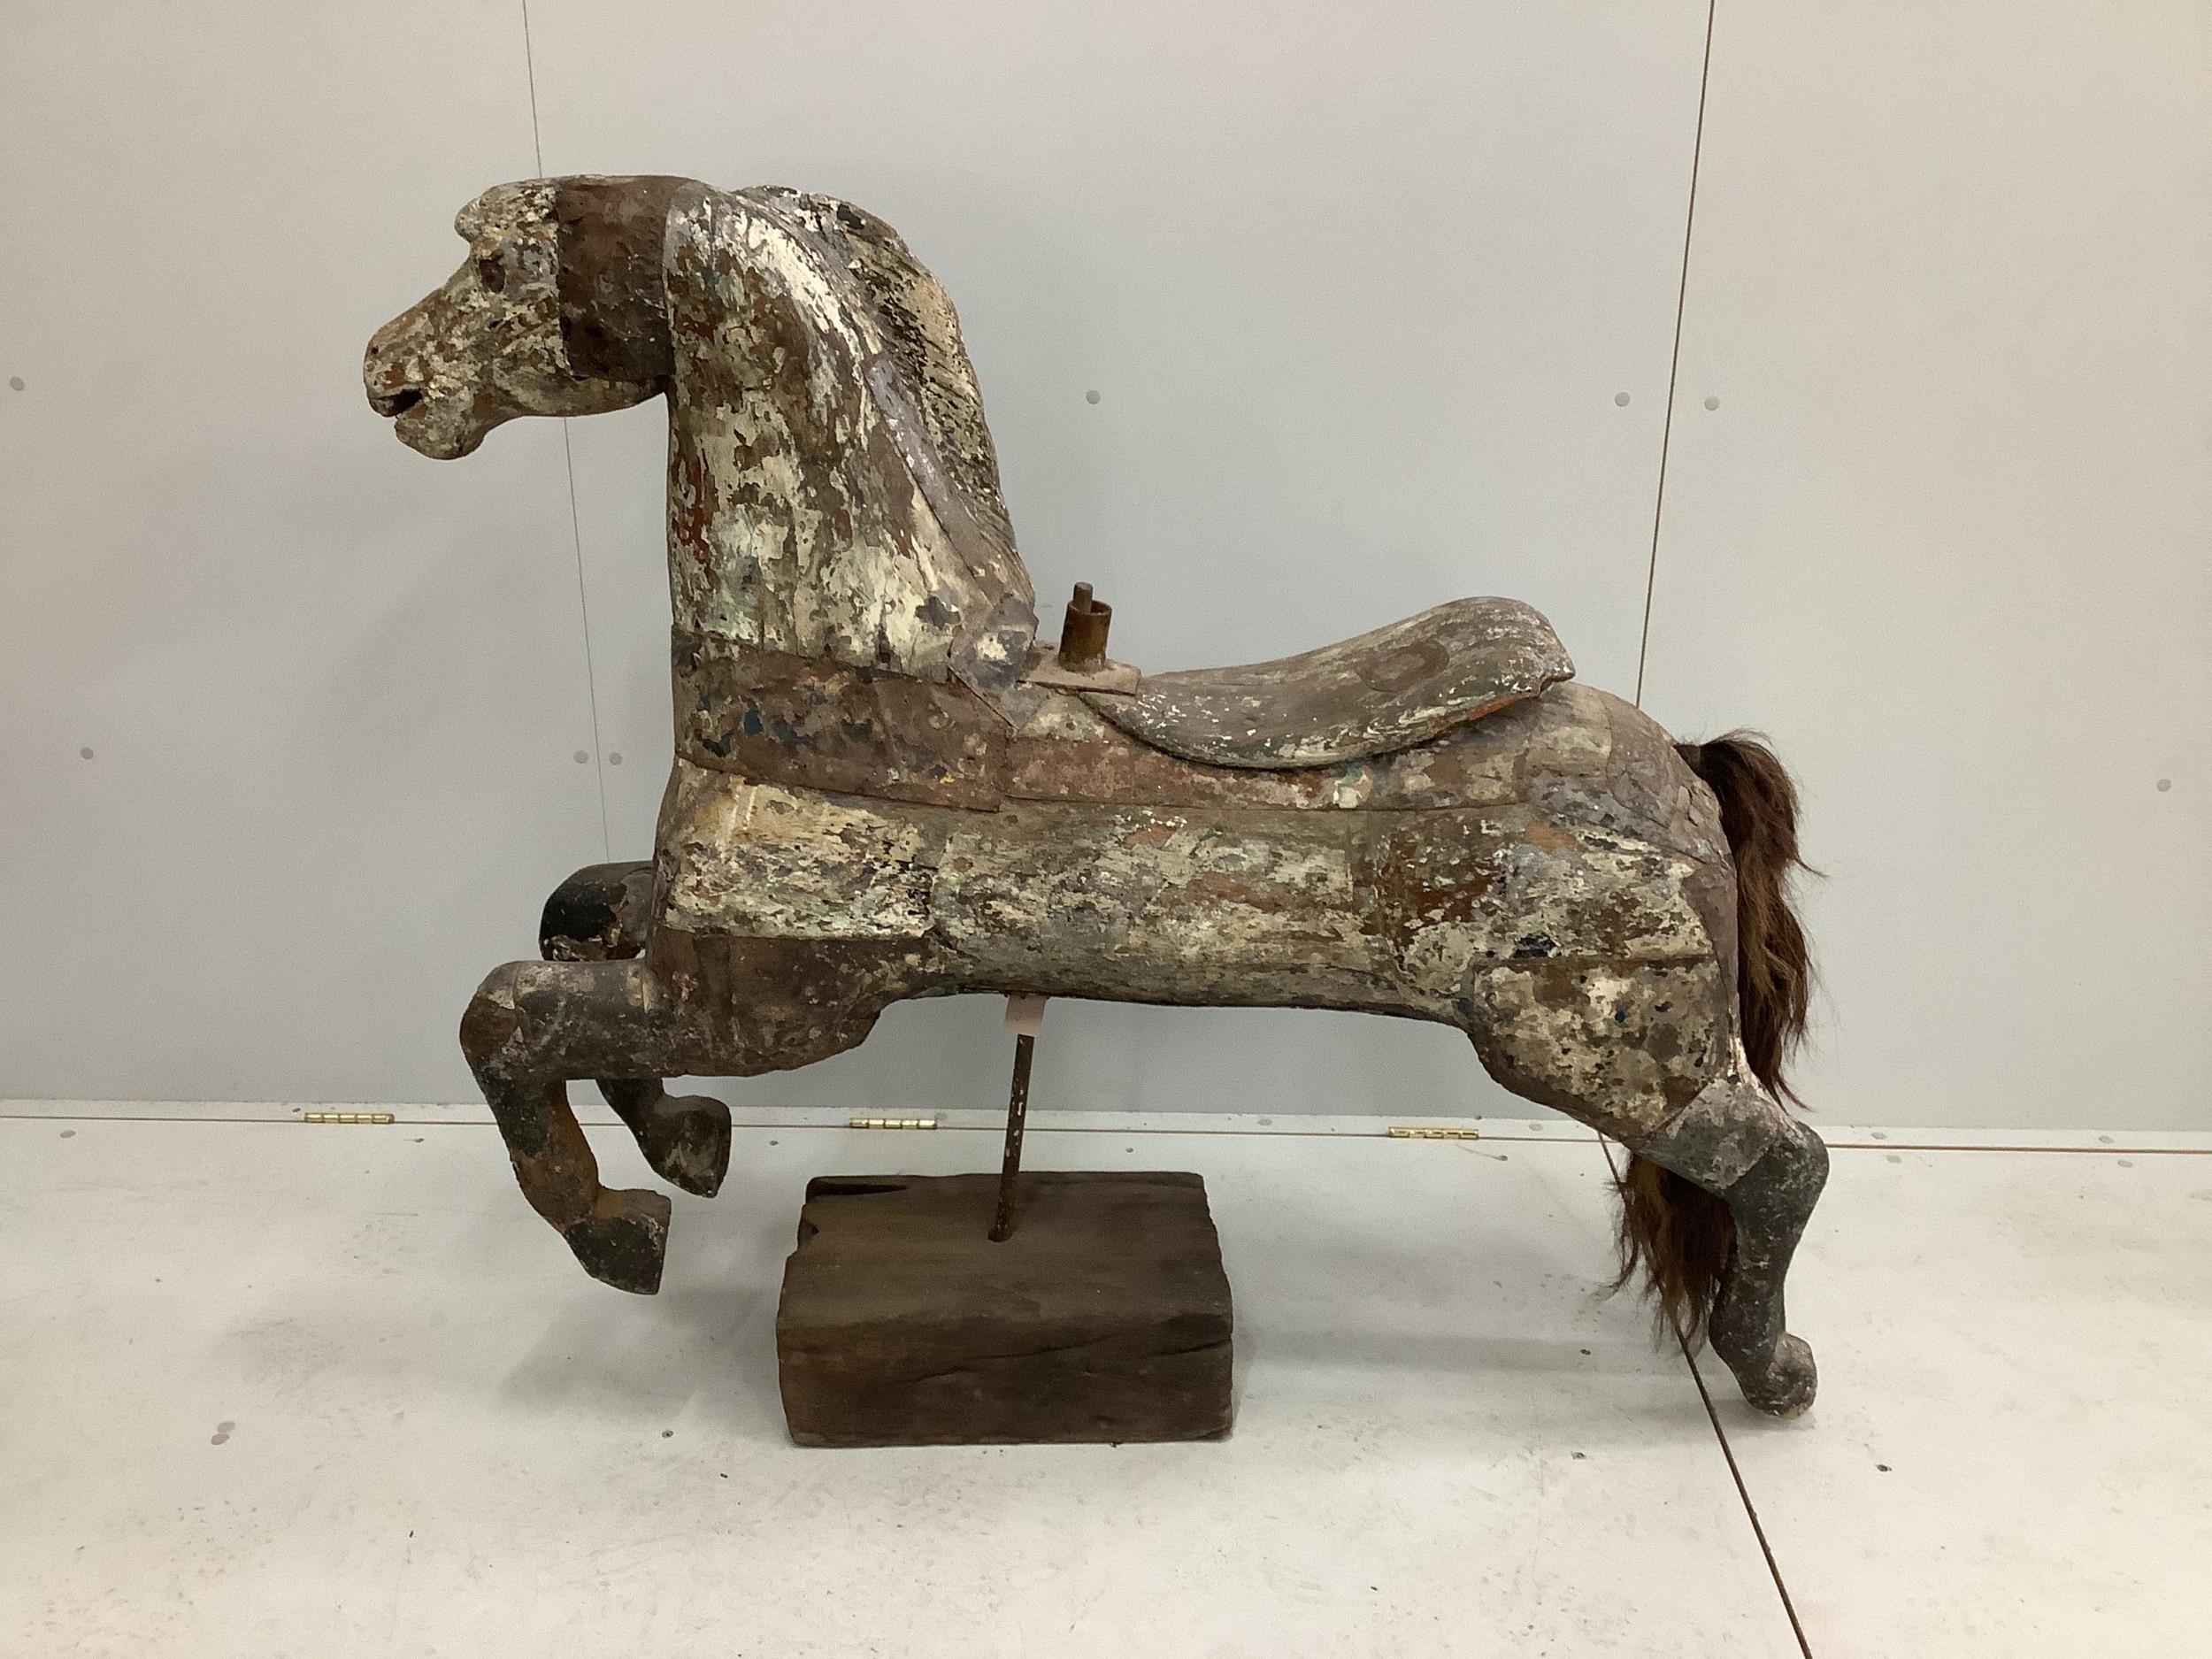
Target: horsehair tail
[1673, 1231]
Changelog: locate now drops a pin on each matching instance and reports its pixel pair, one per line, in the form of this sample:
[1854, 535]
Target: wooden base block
[1105, 1317]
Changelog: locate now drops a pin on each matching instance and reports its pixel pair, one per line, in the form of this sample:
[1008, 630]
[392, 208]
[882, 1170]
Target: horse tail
[1675, 1231]
[1774, 969]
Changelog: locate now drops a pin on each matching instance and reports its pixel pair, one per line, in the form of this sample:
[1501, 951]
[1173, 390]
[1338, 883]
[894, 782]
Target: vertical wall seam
[1674, 361]
[530, 70]
[575, 521]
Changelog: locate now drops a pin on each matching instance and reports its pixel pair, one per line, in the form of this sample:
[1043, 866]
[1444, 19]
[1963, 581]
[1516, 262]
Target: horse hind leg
[1737, 1142]
[601, 914]
[1648, 1054]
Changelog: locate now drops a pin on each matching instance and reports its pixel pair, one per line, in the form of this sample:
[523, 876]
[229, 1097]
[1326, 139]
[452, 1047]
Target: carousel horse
[886, 786]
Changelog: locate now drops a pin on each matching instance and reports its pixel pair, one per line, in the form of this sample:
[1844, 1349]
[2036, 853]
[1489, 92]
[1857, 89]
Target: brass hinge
[345, 1118]
[890, 1123]
[1423, 1131]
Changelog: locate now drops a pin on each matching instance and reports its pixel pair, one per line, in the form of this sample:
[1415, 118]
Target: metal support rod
[1016, 1114]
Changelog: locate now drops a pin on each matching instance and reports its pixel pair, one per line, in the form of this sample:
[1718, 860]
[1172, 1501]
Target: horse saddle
[1382, 691]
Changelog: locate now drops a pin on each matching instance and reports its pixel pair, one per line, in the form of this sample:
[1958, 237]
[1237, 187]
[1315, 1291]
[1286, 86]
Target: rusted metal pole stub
[1017, 1115]
[1083, 632]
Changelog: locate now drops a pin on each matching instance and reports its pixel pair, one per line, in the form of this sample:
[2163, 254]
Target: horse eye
[492, 274]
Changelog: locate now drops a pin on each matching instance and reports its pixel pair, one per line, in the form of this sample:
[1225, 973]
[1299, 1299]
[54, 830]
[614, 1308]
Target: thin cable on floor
[1674, 362]
[568, 457]
[1728, 1452]
[1744, 1493]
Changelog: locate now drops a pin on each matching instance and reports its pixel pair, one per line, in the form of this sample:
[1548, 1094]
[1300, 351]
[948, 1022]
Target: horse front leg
[601, 914]
[719, 1005]
[530, 1028]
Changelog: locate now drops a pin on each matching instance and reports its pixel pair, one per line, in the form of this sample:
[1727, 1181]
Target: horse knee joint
[1721, 1135]
[493, 1017]
[1800, 1161]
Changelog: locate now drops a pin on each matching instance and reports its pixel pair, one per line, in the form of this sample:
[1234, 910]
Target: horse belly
[1123, 902]
[1147, 905]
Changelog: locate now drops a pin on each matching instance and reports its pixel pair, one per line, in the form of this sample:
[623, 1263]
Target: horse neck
[807, 510]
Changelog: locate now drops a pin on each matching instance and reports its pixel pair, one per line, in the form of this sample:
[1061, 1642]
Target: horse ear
[498, 207]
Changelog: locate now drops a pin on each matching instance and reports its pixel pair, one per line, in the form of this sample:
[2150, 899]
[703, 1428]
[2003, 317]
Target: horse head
[833, 489]
[537, 320]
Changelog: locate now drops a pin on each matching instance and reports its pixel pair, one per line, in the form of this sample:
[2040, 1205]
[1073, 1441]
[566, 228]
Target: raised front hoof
[690, 1144]
[624, 1241]
[1783, 1387]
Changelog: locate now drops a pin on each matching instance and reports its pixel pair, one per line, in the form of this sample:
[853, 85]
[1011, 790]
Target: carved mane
[832, 490]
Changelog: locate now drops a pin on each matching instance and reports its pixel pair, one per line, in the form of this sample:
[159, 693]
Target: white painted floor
[269, 1389]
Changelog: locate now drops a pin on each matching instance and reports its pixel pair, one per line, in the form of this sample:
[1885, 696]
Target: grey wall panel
[332, 691]
[1943, 535]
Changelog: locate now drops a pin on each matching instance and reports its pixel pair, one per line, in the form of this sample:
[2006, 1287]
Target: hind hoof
[1786, 1385]
[624, 1241]
[691, 1144]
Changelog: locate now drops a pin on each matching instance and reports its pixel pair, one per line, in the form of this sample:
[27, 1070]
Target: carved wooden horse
[884, 788]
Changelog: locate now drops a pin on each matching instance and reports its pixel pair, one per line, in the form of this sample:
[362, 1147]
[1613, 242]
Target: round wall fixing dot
[1090, 397]
[85, 754]
[15, 383]
[2165, 784]
[582, 756]
[1712, 403]
[615, 759]
[1620, 400]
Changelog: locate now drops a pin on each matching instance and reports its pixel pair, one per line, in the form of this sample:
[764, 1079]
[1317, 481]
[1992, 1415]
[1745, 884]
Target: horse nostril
[394, 404]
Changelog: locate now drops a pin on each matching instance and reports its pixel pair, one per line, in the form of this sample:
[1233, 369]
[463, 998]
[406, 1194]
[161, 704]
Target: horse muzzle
[408, 391]
[387, 375]
[394, 372]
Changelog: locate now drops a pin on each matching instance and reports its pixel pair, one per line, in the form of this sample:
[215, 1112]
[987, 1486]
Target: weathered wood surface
[1105, 1317]
[814, 724]
[602, 913]
[1383, 690]
[832, 486]
[1046, 669]
[1061, 749]
[1568, 919]
[868, 805]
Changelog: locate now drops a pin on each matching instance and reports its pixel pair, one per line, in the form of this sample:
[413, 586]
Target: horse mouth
[391, 405]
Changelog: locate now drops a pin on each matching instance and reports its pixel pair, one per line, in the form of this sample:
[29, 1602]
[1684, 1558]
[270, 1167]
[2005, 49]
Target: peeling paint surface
[811, 508]
[485, 346]
[756, 860]
[1380, 691]
[1301, 895]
